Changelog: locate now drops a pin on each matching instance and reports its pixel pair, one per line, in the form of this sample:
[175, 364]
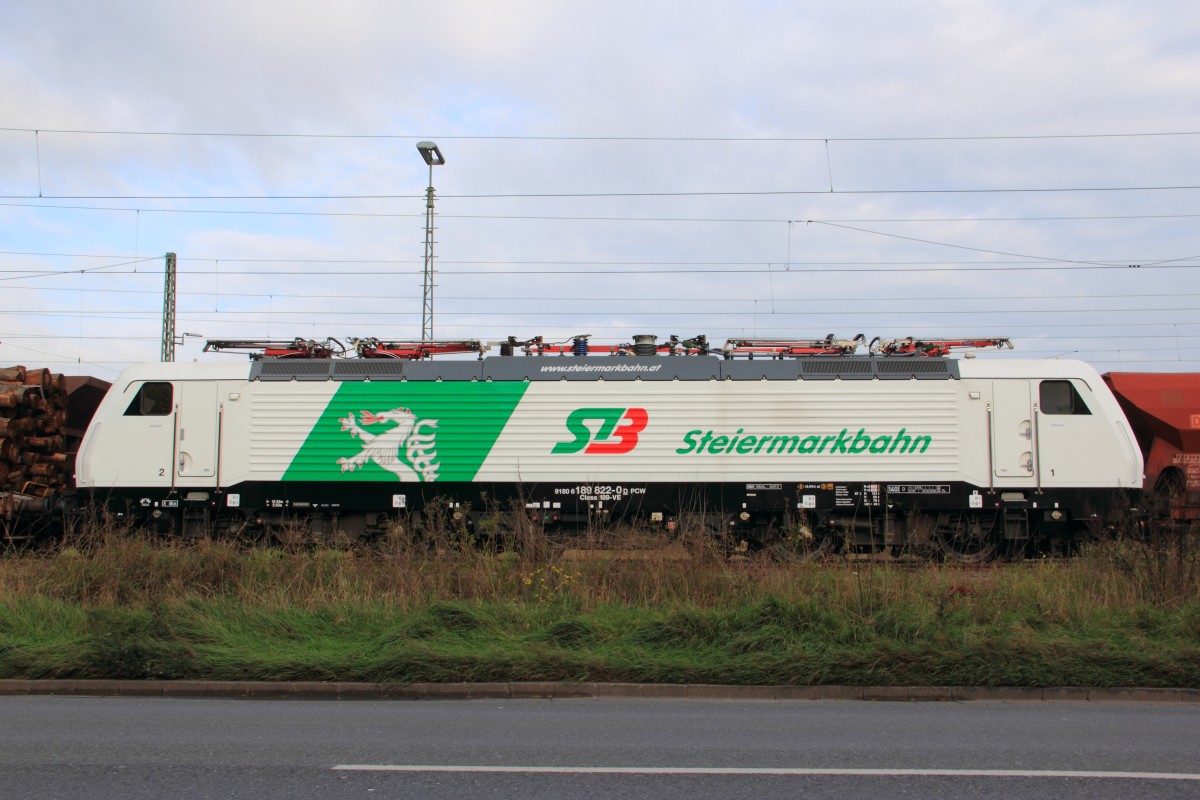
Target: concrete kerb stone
[488, 691]
[753, 693]
[618, 690]
[228, 689]
[1144, 695]
[797, 692]
[358, 691]
[402, 691]
[140, 688]
[703, 691]
[270, 691]
[424, 691]
[444, 691]
[937, 694]
[186, 689]
[1065, 693]
[997, 693]
[552, 689]
[97, 688]
[47, 686]
[313, 690]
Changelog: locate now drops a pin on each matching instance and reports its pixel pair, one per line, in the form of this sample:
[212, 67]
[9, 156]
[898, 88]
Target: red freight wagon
[1164, 410]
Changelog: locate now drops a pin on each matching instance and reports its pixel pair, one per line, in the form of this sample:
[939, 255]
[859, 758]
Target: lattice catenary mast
[168, 330]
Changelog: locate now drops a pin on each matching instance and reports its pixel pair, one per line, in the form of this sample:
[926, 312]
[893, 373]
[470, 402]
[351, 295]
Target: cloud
[612, 168]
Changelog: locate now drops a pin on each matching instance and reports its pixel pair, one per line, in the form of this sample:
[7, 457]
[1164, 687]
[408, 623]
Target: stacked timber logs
[34, 457]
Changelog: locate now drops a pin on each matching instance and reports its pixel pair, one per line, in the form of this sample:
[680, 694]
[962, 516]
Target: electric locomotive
[903, 448]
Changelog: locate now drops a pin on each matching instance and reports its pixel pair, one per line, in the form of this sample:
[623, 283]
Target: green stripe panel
[407, 431]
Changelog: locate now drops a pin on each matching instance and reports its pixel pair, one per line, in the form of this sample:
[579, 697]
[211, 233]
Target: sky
[749, 169]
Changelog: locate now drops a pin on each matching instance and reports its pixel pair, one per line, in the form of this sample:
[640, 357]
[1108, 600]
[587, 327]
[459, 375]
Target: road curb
[316, 690]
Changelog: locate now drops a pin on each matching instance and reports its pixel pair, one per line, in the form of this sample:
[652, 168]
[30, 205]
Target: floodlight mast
[433, 157]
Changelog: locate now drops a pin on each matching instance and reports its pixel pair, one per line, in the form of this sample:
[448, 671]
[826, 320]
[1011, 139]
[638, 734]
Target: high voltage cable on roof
[1028, 337]
[1128, 359]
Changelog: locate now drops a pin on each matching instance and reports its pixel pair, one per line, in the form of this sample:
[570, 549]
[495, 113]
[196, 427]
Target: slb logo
[617, 431]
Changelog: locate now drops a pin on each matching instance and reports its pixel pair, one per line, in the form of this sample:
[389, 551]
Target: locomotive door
[1012, 429]
[196, 432]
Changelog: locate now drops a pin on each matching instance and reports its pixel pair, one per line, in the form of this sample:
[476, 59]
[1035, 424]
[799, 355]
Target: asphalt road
[101, 748]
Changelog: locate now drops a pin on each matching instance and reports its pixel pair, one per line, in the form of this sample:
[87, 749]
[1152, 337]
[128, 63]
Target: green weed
[121, 604]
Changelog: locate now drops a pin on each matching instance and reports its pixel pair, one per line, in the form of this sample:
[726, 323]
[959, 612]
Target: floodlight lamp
[430, 152]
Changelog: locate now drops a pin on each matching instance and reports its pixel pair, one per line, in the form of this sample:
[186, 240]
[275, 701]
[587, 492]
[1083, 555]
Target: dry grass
[434, 604]
[409, 569]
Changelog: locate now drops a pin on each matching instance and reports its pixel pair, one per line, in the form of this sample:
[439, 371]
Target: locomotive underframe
[959, 520]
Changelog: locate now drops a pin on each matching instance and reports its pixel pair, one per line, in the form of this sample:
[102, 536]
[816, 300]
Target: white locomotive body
[867, 452]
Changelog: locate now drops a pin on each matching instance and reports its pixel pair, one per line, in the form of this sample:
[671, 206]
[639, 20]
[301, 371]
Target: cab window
[152, 400]
[1060, 397]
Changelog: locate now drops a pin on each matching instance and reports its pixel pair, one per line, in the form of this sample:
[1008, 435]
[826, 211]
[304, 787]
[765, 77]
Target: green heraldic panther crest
[407, 431]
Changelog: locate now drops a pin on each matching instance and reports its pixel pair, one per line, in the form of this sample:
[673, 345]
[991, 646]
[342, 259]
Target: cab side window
[1060, 397]
[154, 399]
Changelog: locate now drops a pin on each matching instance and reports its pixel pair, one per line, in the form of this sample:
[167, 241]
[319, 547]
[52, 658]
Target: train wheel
[350, 530]
[231, 524]
[802, 543]
[1170, 497]
[967, 539]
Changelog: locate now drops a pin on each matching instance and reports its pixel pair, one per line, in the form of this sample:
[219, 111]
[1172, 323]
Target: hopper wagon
[1164, 411]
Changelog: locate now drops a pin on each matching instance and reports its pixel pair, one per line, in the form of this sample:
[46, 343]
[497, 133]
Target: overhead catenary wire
[578, 218]
[286, 304]
[684, 269]
[656, 314]
[623, 300]
[89, 270]
[627, 195]
[989, 251]
[603, 138]
[593, 262]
